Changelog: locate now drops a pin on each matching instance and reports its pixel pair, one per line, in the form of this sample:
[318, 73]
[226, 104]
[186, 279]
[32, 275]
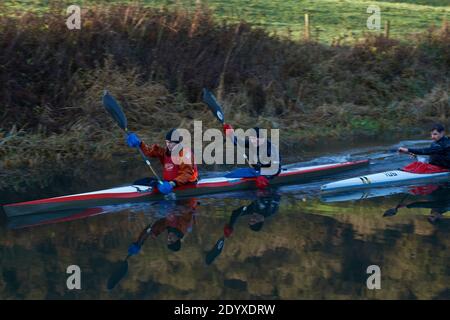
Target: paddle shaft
[116, 112]
[147, 161]
[401, 202]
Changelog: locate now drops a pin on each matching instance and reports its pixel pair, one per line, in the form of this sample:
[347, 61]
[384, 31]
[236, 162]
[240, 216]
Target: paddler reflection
[178, 220]
[266, 205]
[438, 201]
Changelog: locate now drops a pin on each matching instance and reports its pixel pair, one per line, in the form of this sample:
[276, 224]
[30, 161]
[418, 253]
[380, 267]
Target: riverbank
[157, 61]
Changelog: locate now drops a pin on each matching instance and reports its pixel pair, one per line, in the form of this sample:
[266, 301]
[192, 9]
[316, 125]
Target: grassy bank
[157, 61]
[330, 20]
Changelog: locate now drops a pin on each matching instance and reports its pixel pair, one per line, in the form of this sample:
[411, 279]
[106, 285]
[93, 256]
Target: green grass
[330, 19]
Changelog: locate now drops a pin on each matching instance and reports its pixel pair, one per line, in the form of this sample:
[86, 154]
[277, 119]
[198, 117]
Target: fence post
[307, 29]
[387, 27]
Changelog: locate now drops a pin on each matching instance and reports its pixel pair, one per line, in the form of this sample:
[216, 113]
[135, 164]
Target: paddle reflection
[265, 206]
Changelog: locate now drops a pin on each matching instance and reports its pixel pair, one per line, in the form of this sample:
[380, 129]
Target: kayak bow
[137, 193]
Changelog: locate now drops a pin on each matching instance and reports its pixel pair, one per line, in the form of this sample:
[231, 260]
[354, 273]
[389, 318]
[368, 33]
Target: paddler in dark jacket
[265, 149]
[180, 172]
[439, 151]
[177, 222]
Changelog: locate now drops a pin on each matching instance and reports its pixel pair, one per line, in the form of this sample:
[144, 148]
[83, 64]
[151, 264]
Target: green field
[330, 19]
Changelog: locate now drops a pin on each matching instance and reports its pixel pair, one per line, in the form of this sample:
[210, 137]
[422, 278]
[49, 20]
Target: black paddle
[122, 268]
[118, 274]
[393, 211]
[218, 247]
[215, 252]
[210, 100]
[116, 112]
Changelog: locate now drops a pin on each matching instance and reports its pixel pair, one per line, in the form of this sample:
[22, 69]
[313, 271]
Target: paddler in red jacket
[180, 172]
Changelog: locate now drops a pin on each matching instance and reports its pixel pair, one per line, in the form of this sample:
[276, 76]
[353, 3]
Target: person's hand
[165, 187]
[133, 140]
[134, 249]
[228, 129]
[262, 182]
[227, 230]
[403, 150]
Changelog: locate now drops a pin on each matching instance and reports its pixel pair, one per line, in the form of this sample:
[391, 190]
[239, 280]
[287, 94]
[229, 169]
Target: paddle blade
[114, 109]
[215, 252]
[118, 274]
[213, 105]
[391, 212]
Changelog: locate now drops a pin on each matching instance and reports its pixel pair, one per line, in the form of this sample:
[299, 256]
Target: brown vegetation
[157, 61]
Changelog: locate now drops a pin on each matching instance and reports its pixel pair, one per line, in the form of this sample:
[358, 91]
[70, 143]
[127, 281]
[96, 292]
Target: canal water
[287, 243]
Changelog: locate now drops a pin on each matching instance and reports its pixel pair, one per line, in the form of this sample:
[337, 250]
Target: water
[310, 246]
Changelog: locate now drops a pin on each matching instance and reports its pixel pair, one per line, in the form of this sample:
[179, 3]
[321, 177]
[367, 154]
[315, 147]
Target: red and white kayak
[384, 179]
[136, 193]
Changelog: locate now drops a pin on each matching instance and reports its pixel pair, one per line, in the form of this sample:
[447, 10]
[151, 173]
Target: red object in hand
[227, 230]
[228, 129]
[262, 182]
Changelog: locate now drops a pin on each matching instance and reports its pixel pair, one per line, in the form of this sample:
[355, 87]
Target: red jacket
[181, 221]
[183, 173]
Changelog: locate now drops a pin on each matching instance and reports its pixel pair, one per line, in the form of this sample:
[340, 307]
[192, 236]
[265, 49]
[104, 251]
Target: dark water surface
[310, 246]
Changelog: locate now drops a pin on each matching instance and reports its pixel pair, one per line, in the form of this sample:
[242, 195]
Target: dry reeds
[157, 61]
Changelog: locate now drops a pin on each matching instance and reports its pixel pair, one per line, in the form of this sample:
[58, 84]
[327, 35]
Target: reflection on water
[289, 243]
[275, 245]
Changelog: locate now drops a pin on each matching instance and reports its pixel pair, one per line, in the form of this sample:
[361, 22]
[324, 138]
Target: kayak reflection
[437, 200]
[266, 205]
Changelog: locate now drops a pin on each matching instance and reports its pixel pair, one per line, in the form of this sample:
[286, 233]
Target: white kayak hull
[384, 179]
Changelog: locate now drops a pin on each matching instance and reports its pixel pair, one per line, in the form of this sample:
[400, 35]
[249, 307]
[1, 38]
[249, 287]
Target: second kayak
[383, 179]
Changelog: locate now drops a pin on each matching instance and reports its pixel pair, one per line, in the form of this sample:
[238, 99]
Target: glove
[227, 230]
[228, 129]
[134, 249]
[165, 187]
[262, 182]
[133, 140]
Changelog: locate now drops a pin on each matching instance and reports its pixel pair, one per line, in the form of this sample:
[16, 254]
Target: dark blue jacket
[439, 152]
[271, 152]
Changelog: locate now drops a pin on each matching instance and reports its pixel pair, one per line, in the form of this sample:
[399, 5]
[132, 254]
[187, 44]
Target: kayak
[383, 179]
[138, 193]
